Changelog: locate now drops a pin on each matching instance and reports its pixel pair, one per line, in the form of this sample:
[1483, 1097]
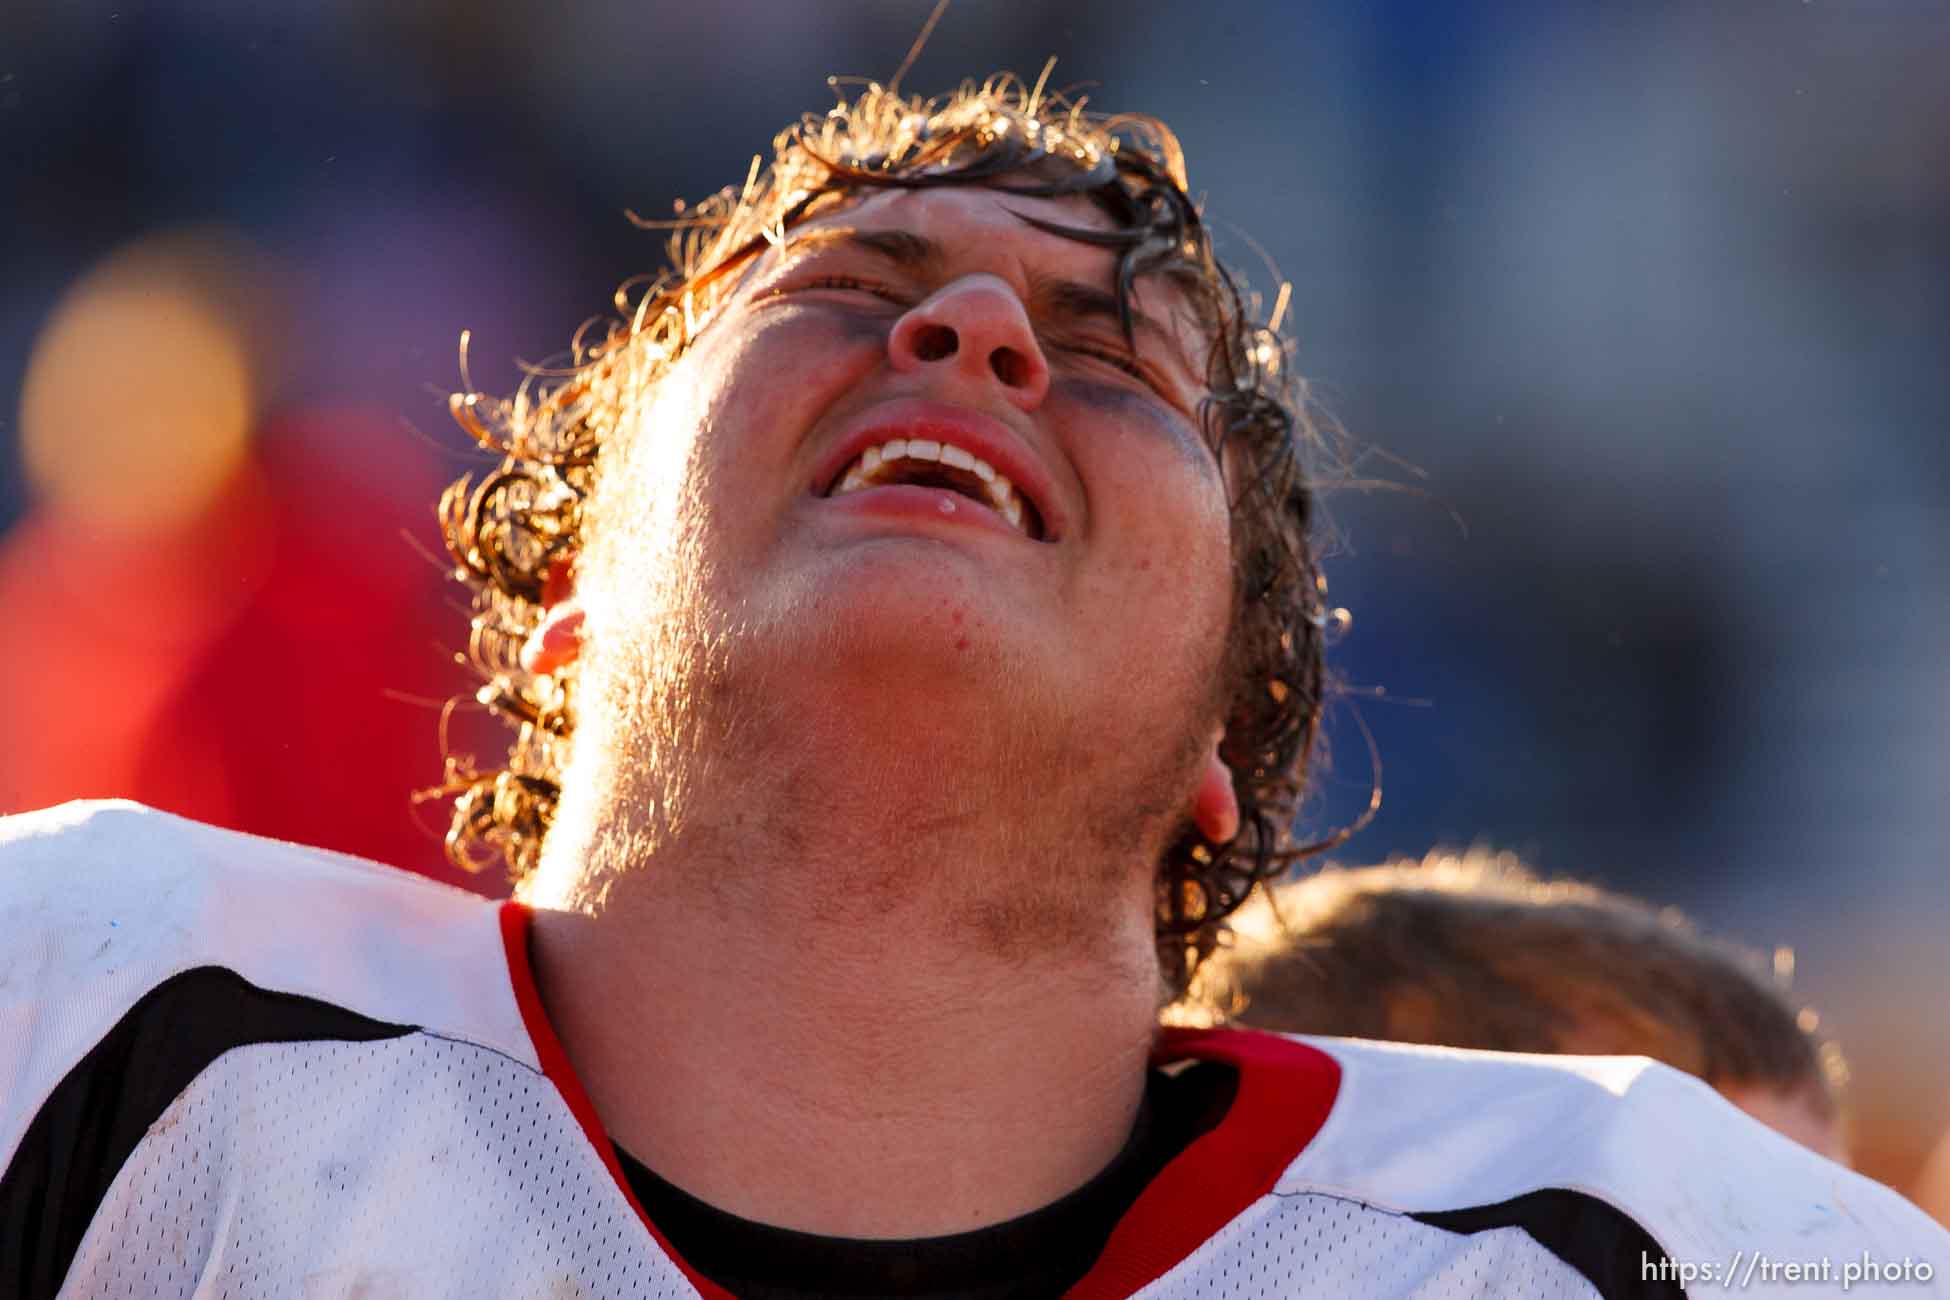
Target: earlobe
[557, 639]
[556, 642]
[1215, 806]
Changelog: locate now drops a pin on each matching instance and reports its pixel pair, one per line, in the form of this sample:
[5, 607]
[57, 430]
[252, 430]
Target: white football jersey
[235, 1068]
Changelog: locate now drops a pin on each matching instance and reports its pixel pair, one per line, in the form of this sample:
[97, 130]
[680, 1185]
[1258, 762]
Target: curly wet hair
[507, 529]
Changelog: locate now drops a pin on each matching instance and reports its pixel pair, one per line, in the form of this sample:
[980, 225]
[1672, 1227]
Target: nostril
[935, 342]
[1010, 366]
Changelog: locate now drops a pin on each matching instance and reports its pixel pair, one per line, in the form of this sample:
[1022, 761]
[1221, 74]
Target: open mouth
[921, 462]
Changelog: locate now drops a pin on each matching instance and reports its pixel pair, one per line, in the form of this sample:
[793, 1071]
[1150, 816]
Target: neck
[917, 1018]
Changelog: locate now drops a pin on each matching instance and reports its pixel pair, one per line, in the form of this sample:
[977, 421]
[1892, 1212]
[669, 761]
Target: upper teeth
[875, 465]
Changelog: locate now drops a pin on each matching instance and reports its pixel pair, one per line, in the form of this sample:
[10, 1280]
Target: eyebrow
[1070, 299]
[904, 248]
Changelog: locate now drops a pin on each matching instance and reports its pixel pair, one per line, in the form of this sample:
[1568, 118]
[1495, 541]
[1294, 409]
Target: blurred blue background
[1644, 312]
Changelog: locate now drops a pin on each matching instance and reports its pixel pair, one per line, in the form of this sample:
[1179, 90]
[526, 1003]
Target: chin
[920, 606]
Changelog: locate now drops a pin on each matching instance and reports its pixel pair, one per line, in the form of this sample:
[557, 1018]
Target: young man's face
[1090, 611]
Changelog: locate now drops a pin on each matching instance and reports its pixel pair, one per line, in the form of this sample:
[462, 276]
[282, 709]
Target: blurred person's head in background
[634, 592]
[1933, 1184]
[1475, 951]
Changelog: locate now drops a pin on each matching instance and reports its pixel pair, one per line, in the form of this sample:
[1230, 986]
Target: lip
[926, 506]
[978, 434]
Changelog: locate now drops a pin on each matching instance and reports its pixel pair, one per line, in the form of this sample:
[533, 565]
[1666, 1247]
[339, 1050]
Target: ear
[1215, 806]
[557, 639]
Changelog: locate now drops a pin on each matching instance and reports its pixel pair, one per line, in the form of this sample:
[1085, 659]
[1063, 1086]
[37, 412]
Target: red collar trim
[1286, 1089]
[555, 1064]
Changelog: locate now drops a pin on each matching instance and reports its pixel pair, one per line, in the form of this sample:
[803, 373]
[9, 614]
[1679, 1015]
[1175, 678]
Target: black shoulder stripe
[1614, 1253]
[92, 1121]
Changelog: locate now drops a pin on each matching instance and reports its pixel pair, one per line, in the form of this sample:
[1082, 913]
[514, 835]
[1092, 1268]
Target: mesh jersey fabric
[432, 1141]
[468, 1189]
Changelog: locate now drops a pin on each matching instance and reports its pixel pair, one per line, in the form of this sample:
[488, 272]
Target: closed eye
[1108, 357]
[1136, 369]
[844, 282]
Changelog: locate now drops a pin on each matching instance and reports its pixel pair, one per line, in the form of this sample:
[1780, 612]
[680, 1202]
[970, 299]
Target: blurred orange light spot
[140, 391]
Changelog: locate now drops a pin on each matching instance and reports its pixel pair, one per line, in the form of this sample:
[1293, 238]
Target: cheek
[1145, 424]
[765, 384]
[1154, 488]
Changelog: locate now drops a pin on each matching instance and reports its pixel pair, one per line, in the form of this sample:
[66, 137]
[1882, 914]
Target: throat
[1044, 1252]
[840, 1080]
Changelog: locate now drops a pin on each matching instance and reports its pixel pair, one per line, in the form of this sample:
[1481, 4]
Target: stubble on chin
[1115, 797]
[694, 729]
[693, 723]
[650, 677]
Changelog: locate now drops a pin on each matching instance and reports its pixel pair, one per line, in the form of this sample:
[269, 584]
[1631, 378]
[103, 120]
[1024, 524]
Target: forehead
[951, 209]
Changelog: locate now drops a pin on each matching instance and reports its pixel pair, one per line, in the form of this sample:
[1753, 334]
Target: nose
[977, 326]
